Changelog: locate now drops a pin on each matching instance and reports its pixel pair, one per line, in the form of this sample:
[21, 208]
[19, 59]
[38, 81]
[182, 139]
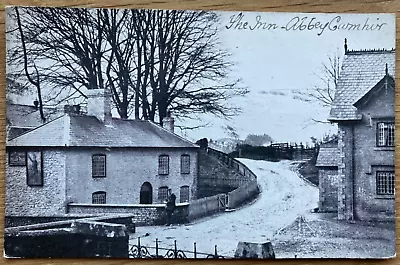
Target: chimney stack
[168, 122]
[99, 104]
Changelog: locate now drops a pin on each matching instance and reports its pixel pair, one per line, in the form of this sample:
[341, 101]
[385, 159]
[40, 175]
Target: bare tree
[33, 78]
[329, 76]
[153, 61]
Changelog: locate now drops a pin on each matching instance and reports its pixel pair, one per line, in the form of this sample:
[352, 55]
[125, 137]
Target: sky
[277, 53]
[274, 62]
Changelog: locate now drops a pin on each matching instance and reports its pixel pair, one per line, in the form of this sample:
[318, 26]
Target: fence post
[139, 248]
[175, 250]
[215, 251]
[156, 247]
[195, 250]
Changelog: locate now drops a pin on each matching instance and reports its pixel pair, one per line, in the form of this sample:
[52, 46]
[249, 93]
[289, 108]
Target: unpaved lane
[283, 197]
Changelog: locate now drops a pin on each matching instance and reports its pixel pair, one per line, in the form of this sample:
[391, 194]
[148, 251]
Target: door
[146, 193]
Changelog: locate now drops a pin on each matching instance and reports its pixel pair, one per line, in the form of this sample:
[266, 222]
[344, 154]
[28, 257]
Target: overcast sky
[273, 62]
[273, 56]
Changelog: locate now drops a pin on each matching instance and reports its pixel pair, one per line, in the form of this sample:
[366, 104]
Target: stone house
[93, 159]
[363, 108]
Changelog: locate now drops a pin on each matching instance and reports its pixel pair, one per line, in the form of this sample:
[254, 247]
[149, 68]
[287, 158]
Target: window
[34, 172]
[184, 194]
[385, 134]
[163, 165]
[163, 194]
[17, 158]
[185, 164]
[385, 183]
[98, 166]
[99, 197]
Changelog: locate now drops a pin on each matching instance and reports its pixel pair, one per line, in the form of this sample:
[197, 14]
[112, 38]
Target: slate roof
[328, 157]
[25, 116]
[88, 131]
[361, 71]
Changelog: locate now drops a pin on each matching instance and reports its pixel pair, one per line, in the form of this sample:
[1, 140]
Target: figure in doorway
[170, 207]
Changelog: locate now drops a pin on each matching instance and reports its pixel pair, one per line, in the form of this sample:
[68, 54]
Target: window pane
[99, 197]
[184, 194]
[163, 194]
[163, 165]
[34, 169]
[385, 134]
[385, 183]
[17, 159]
[99, 166]
[185, 164]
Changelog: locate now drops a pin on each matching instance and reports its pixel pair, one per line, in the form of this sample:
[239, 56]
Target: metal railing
[157, 252]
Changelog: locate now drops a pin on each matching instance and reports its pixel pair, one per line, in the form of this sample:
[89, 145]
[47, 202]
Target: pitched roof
[88, 131]
[361, 71]
[25, 116]
[328, 157]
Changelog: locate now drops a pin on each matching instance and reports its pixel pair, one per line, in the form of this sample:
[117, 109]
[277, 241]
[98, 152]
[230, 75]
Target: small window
[98, 166]
[17, 158]
[184, 194]
[163, 165]
[385, 183]
[99, 197]
[185, 164]
[385, 134]
[34, 171]
[163, 194]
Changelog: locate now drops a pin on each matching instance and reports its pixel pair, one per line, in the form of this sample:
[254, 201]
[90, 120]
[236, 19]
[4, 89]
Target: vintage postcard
[199, 134]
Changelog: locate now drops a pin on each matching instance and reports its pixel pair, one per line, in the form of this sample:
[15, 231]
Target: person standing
[170, 207]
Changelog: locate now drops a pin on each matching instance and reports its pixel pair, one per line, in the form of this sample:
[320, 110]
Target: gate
[157, 252]
[222, 201]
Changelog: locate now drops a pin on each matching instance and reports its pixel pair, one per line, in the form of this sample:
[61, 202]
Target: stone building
[327, 164]
[363, 109]
[93, 159]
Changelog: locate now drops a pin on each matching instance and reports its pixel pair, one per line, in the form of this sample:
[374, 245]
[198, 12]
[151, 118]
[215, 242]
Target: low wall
[243, 194]
[206, 206]
[149, 214]
[83, 238]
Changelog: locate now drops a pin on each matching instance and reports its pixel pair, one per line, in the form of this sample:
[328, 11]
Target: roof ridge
[371, 51]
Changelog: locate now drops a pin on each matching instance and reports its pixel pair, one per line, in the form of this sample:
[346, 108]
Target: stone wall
[328, 189]
[345, 170]
[360, 159]
[83, 238]
[369, 158]
[142, 215]
[46, 200]
[127, 170]
[206, 206]
[219, 173]
[243, 194]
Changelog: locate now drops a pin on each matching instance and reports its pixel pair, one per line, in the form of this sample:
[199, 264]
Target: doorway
[146, 193]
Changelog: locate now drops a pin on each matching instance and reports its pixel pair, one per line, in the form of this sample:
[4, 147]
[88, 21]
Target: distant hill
[228, 144]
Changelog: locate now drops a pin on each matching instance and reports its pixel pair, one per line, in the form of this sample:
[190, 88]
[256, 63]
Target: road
[284, 196]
